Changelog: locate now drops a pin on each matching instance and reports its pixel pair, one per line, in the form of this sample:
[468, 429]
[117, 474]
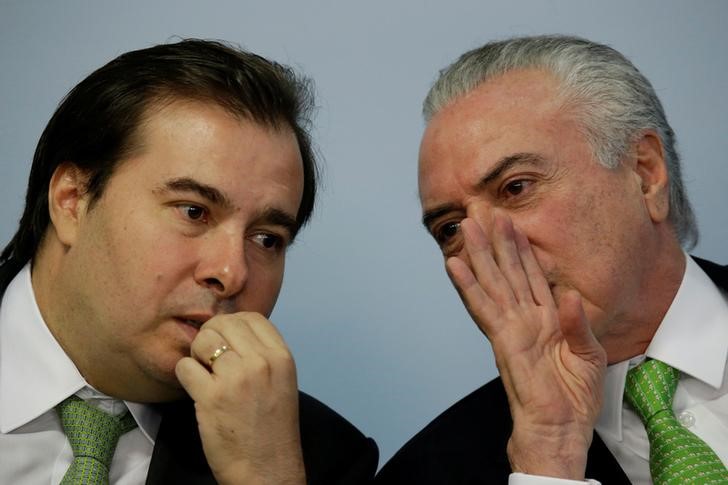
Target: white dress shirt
[35, 376]
[693, 338]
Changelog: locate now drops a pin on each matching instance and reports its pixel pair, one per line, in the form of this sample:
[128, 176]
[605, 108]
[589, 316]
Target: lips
[191, 323]
[194, 319]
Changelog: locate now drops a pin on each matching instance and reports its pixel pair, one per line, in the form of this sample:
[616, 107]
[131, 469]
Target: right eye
[445, 232]
[193, 213]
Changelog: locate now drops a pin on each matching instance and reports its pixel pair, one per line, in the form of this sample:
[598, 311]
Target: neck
[631, 332]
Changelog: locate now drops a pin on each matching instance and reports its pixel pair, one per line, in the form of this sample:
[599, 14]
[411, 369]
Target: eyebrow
[504, 164]
[187, 184]
[268, 215]
[278, 217]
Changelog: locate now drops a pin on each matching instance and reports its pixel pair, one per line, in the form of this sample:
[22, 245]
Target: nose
[222, 267]
[484, 215]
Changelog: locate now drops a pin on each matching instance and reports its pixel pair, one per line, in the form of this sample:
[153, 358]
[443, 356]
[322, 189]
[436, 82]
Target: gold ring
[217, 353]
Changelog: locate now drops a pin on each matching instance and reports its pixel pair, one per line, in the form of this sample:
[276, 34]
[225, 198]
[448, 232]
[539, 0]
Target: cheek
[145, 261]
[263, 286]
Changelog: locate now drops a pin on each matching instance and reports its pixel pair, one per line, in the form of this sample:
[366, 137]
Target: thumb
[575, 327]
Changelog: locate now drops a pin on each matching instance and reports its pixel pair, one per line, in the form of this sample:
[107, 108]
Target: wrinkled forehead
[496, 119]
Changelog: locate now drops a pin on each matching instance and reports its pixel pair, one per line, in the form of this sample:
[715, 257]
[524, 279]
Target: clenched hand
[246, 401]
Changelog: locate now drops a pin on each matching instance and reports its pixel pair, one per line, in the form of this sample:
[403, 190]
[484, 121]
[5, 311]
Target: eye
[193, 212]
[446, 232]
[268, 240]
[448, 237]
[516, 187]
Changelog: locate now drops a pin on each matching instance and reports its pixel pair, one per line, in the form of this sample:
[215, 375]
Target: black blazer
[334, 451]
[467, 443]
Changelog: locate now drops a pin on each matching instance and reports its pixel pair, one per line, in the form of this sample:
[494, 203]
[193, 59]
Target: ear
[67, 201]
[651, 170]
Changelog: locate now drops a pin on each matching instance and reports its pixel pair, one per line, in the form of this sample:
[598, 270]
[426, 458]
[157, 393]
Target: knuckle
[283, 359]
[250, 316]
[258, 365]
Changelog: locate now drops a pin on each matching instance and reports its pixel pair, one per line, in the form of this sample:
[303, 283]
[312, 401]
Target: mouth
[192, 322]
[190, 325]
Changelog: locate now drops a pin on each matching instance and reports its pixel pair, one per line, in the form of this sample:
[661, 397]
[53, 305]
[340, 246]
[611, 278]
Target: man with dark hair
[134, 340]
[548, 176]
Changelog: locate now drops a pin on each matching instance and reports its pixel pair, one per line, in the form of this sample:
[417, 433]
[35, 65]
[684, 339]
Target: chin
[165, 388]
[159, 382]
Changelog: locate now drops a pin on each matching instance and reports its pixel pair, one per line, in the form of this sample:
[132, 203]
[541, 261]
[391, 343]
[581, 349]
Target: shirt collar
[693, 337]
[35, 372]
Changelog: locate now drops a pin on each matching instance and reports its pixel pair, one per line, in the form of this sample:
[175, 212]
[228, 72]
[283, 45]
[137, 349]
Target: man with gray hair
[548, 176]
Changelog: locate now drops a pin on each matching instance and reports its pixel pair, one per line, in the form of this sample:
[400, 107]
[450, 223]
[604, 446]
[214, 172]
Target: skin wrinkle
[598, 225]
[499, 171]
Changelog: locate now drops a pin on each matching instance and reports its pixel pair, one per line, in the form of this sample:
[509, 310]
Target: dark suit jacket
[467, 443]
[334, 451]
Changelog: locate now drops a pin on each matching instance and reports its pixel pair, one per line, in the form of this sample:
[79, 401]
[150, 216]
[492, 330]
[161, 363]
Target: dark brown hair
[96, 124]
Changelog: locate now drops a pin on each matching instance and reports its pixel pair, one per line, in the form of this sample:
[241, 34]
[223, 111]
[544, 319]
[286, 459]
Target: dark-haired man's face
[196, 224]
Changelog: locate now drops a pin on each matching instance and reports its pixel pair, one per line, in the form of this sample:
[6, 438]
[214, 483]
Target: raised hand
[551, 364]
[242, 378]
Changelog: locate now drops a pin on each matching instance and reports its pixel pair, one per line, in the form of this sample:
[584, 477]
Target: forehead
[203, 141]
[182, 125]
[518, 112]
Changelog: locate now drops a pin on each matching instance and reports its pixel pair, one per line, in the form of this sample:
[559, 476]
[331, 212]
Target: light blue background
[367, 309]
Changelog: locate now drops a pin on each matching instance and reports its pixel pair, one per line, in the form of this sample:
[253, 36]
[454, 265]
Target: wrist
[289, 473]
[552, 454]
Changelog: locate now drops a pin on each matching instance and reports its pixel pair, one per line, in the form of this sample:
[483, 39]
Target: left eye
[268, 241]
[516, 187]
[193, 212]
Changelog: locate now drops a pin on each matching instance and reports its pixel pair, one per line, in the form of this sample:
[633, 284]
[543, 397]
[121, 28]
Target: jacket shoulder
[464, 444]
[334, 450]
[716, 272]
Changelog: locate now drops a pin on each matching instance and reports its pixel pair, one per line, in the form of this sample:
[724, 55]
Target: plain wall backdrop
[376, 329]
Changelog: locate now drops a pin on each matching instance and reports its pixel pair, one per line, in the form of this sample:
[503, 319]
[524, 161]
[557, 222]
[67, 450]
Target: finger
[228, 363]
[277, 359]
[478, 304]
[537, 281]
[575, 326]
[215, 352]
[265, 330]
[194, 377]
[484, 267]
[508, 259]
[236, 333]
[260, 348]
[205, 345]
[247, 329]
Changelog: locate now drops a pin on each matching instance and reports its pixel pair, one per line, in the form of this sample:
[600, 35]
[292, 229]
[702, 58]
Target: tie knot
[650, 388]
[91, 432]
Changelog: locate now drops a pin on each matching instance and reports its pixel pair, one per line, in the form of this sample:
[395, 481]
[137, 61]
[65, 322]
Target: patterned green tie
[93, 435]
[677, 456]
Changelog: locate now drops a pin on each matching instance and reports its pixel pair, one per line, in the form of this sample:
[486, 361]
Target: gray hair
[614, 103]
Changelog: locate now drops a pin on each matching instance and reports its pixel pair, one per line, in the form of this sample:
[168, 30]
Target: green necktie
[93, 435]
[677, 456]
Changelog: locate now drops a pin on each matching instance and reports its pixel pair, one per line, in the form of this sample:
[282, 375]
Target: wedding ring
[217, 353]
